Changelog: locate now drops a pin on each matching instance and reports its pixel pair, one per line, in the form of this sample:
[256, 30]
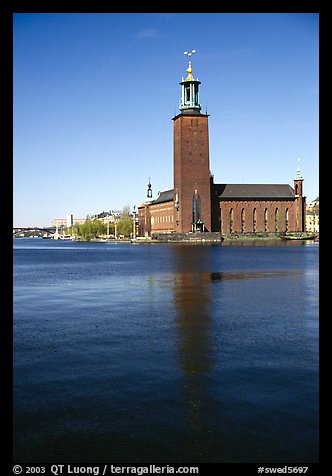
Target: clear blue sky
[94, 95]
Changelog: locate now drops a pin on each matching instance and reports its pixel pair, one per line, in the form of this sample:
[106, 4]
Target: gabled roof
[255, 191]
[166, 196]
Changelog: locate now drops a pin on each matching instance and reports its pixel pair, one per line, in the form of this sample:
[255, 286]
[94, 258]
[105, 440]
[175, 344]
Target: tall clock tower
[192, 201]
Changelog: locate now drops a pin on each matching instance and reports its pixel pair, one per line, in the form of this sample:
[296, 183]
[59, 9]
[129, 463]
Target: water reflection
[194, 322]
[195, 284]
[249, 275]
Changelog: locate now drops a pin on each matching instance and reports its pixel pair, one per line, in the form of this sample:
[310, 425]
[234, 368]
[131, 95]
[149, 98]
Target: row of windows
[313, 219]
[161, 219]
[253, 219]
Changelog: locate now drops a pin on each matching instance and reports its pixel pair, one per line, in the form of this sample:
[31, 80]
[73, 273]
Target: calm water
[165, 353]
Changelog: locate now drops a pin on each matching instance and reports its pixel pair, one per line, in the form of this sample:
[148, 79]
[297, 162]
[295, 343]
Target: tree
[124, 226]
[88, 230]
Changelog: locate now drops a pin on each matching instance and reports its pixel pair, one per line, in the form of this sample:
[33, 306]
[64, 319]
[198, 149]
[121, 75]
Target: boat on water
[64, 237]
[299, 237]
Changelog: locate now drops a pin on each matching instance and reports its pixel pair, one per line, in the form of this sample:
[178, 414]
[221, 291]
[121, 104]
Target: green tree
[89, 230]
[125, 226]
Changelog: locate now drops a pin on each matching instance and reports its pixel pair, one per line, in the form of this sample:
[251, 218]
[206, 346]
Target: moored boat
[298, 237]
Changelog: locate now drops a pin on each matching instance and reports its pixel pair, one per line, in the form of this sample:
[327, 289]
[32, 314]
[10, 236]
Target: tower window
[187, 95]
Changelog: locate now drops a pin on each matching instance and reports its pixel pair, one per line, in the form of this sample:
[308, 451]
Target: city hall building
[196, 203]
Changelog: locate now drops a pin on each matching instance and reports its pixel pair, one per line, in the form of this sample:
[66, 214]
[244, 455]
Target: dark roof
[252, 191]
[165, 196]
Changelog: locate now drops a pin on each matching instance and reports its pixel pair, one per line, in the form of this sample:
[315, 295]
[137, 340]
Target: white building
[312, 216]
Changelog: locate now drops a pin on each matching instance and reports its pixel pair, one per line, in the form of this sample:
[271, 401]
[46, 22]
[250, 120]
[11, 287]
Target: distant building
[312, 216]
[68, 221]
[107, 217]
[314, 205]
[196, 203]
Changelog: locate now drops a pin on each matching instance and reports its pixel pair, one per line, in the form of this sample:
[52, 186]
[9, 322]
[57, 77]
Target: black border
[7, 9]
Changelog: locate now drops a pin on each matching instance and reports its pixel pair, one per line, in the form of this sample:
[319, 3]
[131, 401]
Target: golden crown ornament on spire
[189, 69]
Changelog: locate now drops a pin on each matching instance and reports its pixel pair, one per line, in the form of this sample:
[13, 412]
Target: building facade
[196, 203]
[312, 216]
[68, 221]
[261, 208]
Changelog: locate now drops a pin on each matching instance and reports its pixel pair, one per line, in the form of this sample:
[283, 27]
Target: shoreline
[208, 239]
[218, 238]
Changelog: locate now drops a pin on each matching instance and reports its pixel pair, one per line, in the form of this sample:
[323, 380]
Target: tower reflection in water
[196, 349]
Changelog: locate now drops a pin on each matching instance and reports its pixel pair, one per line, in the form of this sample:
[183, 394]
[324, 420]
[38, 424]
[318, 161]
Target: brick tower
[192, 201]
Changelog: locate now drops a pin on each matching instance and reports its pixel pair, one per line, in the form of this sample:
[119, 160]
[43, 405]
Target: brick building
[196, 203]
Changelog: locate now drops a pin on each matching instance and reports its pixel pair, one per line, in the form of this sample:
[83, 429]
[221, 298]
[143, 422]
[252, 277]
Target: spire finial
[189, 53]
[189, 69]
[298, 175]
[149, 191]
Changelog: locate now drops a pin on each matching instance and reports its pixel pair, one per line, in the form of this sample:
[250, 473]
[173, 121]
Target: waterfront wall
[188, 237]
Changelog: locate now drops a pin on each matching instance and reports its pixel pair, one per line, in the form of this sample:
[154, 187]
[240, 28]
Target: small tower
[300, 202]
[298, 184]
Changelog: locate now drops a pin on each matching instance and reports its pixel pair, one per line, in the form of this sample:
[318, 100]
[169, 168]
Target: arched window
[254, 220]
[242, 220]
[196, 209]
[265, 219]
[286, 219]
[187, 93]
[231, 220]
[276, 220]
